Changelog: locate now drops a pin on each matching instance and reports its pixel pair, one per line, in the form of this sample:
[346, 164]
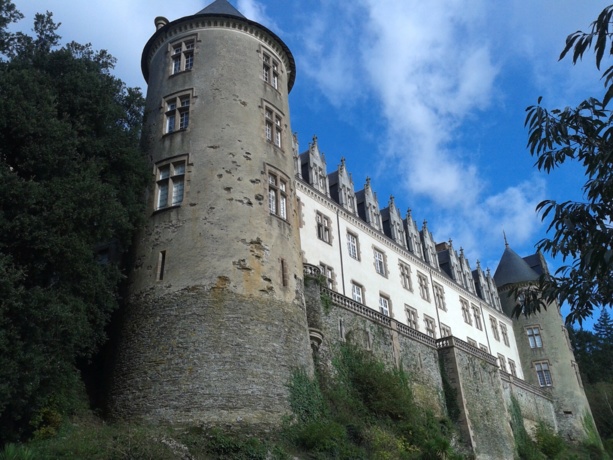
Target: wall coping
[524, 385]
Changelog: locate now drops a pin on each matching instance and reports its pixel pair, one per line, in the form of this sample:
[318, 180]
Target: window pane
[177, 191]
[162, 194]
[179, 168]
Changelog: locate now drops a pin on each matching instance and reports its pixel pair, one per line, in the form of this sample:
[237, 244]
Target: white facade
[368, 266]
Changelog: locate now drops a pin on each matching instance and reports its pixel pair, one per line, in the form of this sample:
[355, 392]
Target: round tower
[216, 318]
[546, 354]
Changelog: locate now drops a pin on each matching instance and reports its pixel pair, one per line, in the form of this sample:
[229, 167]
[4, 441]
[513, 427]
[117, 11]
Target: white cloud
[256, 11]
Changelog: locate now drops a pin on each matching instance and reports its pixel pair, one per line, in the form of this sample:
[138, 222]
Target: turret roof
[221, 7]
[513, 269]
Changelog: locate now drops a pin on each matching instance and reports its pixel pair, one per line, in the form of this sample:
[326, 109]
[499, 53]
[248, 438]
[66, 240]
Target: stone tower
[216, 320]
[544, 347]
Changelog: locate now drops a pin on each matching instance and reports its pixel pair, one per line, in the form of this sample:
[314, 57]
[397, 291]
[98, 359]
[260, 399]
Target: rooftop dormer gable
[429, 246]
[341, 187]
[412, 235]
[313, 168]
[481, 285]
[393, 226]
[368, 206]
[467, 278]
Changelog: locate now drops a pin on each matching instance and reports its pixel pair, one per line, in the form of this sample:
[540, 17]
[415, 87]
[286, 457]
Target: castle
[245, 235]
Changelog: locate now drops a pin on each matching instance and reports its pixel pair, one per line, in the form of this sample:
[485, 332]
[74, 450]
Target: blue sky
[426, 98]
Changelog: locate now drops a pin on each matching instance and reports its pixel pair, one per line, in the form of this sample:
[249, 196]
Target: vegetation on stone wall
[71, 182]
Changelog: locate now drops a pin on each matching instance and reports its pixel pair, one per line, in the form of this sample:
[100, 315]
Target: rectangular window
[357, 292]
[512, 368]
[405, 276]
[328, 274]
[472, 342]
[412, 319]
[379, 262]
[177, 113]
[477, 317]
[484, 348]
[277, 195]
[182, 57]
[439, 297]
[424, 291]
[170, 184]
[502, 363]
[270, 70]
[534, 337]
[324, 227]
[504, 333]
[494, 324]
[465, 311]
[352, 246]
[384, 305]
[161, 265]
[430, 326]
[445, 331]
[273, 127]
[543, 374]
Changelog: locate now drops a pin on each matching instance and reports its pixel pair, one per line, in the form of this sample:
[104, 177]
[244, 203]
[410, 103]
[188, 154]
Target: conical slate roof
[221, 7]
[513, 269]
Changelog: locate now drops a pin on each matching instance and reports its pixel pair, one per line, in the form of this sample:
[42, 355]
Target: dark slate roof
[221, 7]
[513, 269]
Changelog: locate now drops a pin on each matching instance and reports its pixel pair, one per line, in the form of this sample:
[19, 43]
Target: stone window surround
[171, 182]
[385, 301]
[323, 227]
[176, 108]
[281, 190]
[412, 317]
[271, 67]
[353, 245]
[380, 263]
[274, 124]
[424, 286]
[405, 275]
[182, 54]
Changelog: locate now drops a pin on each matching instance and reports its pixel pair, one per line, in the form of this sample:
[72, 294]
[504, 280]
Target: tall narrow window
[439, 296]
[465, 311]
[170, 184]
[445, 331]
[379, 262]
[277, 195]
[324, 227]
[534, 337]
[177, 113]
[357, 292]
[182, 58]
[430, 326]
[504, 333]
[405, 276]
[384, 305]
[424, 290]
[477, 317]
[502, 363]
[161, 265]
[352, 246]
[270, 70]
[412, 319]
[328, 274]
[543, 374]
[273, 127]
[512, 368]
[494, 325]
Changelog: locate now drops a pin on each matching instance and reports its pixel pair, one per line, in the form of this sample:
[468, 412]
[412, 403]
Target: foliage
[368, 412]
[581, 230]
[71, 181]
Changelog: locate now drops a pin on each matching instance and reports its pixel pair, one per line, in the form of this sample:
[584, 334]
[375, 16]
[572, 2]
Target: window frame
[328, 273]
[494, 325]
[472, 342]
[430, 326]
[412, 317]
[466, 311]
[172, 184]
[385, 305]
[439, 296]
[445, 330]
[543, 373]
[502, 363]
[477, 316]
[270, 68]
[405, 276]
[357, 288]
[355, 246]
[504, 333]
[512, 367]
[424, 286]
[535, 340]
[177, 109]
[380, 262]
[273, 125]
[277, 185]
[182, 55]
[324, 227]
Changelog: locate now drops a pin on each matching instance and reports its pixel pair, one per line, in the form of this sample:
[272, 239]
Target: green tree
[71, 181]
[581, 232]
